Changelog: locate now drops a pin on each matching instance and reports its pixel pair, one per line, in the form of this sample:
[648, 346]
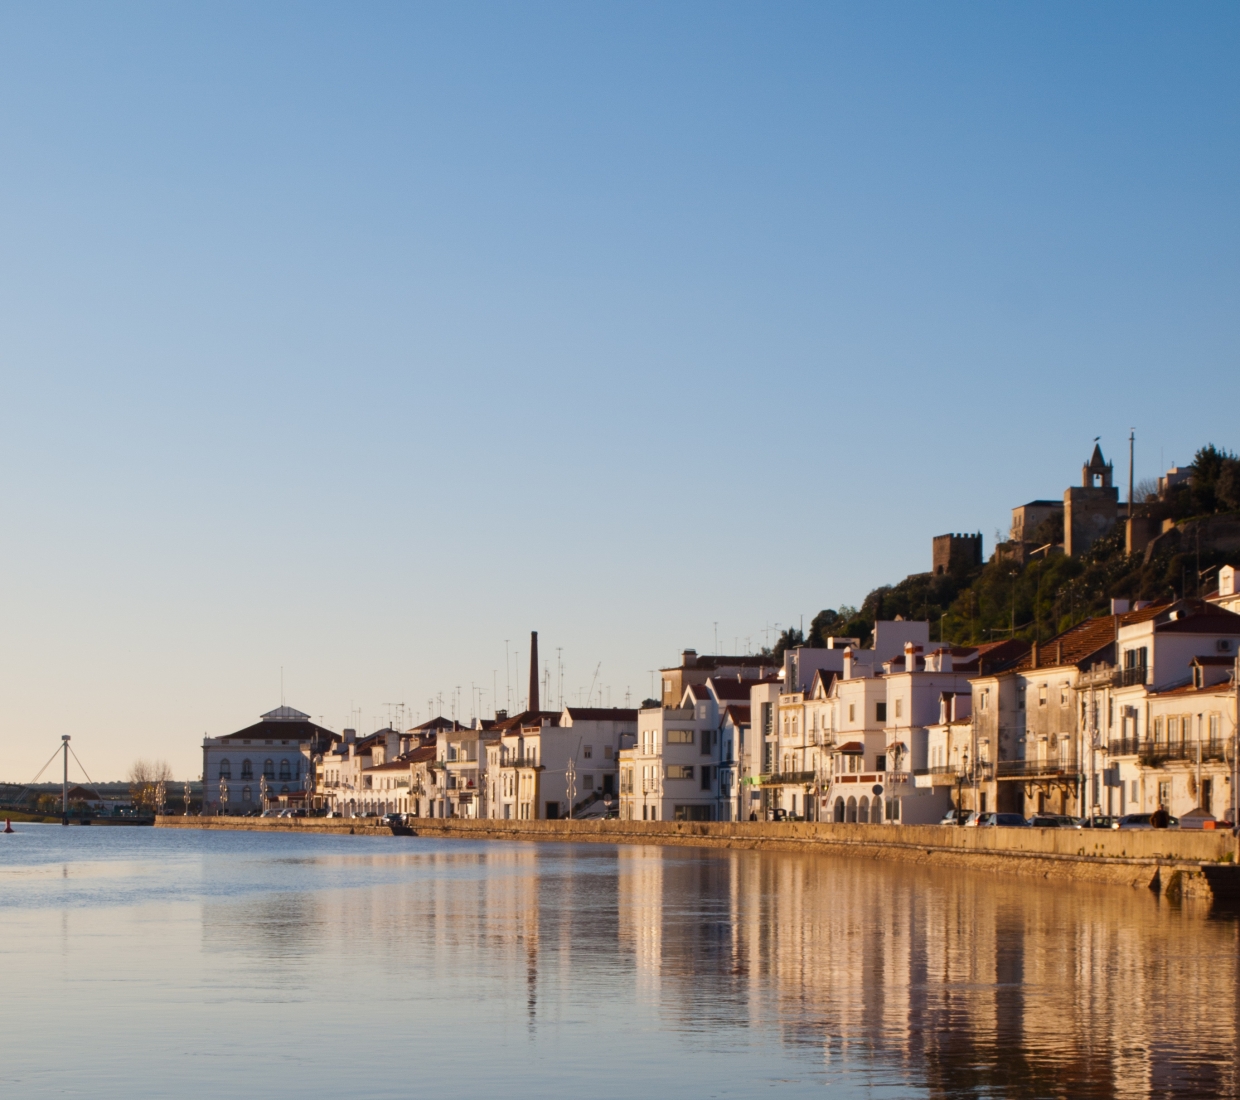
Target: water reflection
[651, 971]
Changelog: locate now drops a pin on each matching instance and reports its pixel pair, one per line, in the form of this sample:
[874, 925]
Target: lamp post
[64, 786]
[188, 792]
[223, 794]
[570, 779]
[262, 791]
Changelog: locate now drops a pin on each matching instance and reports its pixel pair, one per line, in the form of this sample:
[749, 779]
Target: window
[1063, 695]
[247, 794]
[606, 752]
[269, 769]
[225, 768]
[880, 712]
[587, 752]
[1020, 698]
[1215, 727]
[691, 813]
[899, 707]
[706, 777]
[1042, 695]
[1134, 791]
[1158, 729]
[680, 771]
[880, 763]
[587, 782]
[680, 737]
[1164, 792]
[247, 770]
[852, 712]
[285, 772]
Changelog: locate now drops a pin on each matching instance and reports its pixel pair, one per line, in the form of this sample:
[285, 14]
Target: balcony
[782, 778]
[1135, 675]
[1154, 753]
[1123, 746]
[1038, 769]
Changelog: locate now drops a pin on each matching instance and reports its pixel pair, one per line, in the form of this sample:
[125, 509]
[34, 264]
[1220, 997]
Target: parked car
[1142, 821]
[1054, 821]
[955, 817]
[777, 814]
[1010, 821]
[979, 818]
[1101, 821]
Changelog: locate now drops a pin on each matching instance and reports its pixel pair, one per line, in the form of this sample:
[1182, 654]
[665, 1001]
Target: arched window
[269, 769]
[850, 811]
[863, 810]
[876, 812]
[284, 770]
[247, 770]
[225, 768]
[839, 809]
[247, 794]
[284, 789]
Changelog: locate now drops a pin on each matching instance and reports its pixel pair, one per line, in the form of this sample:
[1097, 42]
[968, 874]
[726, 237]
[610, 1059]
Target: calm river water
[153, 963]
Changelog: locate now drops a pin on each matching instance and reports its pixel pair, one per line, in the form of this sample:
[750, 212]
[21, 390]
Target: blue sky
[355, 340]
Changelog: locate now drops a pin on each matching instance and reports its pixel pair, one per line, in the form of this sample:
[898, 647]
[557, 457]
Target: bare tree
[145, 777]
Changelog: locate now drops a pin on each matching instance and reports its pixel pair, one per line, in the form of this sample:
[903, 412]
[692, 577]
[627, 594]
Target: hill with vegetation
[1040, 598]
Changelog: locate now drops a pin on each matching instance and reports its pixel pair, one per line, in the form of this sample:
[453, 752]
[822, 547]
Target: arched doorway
[863, 810]
[850, 812]
[839, 810]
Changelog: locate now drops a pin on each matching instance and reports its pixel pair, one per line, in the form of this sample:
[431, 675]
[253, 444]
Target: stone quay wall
[1170, 860]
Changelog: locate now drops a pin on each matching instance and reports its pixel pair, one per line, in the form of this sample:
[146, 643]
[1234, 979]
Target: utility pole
[64, 783]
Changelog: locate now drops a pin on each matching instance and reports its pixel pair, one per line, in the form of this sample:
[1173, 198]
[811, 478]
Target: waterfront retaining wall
[1166, 859]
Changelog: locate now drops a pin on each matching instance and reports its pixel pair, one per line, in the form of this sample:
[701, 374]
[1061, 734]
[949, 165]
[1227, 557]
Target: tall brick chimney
[533, 701]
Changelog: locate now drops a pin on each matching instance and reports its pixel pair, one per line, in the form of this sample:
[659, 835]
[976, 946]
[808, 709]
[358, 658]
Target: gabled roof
[820, 686]
[737, 715]
[728, 687]
[850, 747]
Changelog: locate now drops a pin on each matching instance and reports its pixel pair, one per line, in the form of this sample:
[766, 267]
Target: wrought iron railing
[1020, 769]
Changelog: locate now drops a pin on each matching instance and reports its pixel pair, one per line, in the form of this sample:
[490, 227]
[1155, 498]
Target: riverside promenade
[1178, 863]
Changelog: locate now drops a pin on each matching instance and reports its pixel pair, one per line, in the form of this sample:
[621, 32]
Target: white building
[549, 765]
[279, 747]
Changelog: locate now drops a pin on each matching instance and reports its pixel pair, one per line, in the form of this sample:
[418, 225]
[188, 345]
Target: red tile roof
[851, 747]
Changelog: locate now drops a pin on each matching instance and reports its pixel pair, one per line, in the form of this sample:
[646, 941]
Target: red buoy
[8, 825]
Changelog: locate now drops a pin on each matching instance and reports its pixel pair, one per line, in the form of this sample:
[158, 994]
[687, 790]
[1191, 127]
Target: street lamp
[570, 779]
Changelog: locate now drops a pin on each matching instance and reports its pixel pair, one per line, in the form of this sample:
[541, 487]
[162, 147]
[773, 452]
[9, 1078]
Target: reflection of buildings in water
[966, 983]
[954, 981]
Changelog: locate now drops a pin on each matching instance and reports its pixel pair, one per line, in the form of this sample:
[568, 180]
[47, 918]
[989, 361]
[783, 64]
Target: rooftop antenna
[590, 695]
[1132, 436]
[559, 664]
[508, 673]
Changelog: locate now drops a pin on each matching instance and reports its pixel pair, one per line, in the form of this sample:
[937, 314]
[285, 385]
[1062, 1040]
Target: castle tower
[533, 700]
[1089, 512]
